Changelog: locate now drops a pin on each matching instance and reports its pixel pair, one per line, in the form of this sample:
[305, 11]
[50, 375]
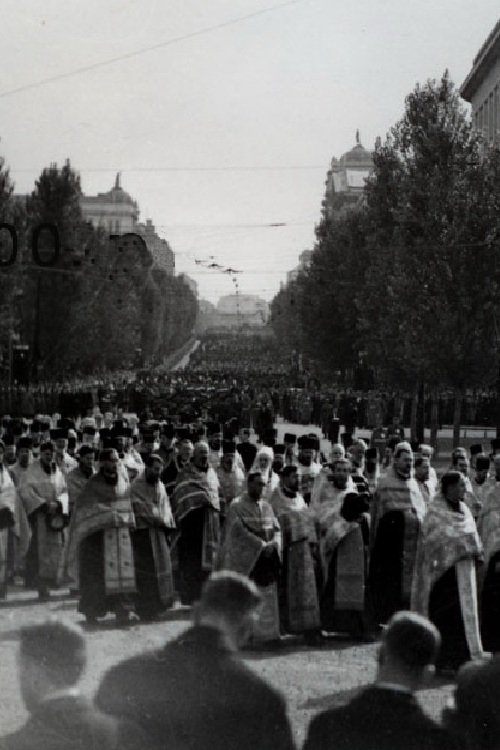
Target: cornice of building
[489, 52]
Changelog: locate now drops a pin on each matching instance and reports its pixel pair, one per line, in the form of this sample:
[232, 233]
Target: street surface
[311, 678]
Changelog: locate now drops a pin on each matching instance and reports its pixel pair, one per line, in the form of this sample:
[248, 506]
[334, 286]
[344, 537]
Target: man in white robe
[77, 478]
[45, 500]
[61, 456]
[308, 469]
[154, 530]
[230, 475]
[299, 602]
[24, 458]
[14, 529]
[251, 546]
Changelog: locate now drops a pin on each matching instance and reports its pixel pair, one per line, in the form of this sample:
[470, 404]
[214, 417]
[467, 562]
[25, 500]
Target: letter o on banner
[45, 226]
[4, 261]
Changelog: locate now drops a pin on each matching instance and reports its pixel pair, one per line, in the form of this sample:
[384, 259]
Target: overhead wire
[143, 50]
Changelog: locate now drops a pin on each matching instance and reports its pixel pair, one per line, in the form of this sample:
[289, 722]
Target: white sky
[286, 88]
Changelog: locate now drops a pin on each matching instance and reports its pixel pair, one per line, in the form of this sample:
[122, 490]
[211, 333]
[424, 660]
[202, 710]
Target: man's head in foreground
[408, 651]
[229, 603]
[52, 658]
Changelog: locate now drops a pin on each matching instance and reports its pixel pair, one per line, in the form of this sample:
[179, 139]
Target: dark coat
[377, 719]
[71, 721]
[195, 693]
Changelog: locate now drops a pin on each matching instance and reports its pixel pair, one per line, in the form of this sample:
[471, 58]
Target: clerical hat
[482, 462]
[476, 449]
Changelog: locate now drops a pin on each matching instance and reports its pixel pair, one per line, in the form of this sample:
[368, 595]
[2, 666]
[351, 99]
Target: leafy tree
[431, 202]
[411, 276]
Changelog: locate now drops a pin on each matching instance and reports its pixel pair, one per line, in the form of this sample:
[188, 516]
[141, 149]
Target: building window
[485, 119]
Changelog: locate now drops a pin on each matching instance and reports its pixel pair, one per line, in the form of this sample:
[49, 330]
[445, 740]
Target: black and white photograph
[250, 375]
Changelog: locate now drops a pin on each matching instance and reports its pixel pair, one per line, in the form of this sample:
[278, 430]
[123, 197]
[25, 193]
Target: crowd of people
[194, 500]
[247, 377]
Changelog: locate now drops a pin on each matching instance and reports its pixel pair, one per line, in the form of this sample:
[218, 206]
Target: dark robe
[99, 553]
[490, 605]
[446, 614]
[353, 621]
[489, 529]
[196, 510]
[397, 512]
[153, 568]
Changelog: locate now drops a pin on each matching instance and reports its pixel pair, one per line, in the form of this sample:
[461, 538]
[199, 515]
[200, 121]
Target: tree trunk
[434, 421]
[456, 417]
[421, 413]
[413, 415]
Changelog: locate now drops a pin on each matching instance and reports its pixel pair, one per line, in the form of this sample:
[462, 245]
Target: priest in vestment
[397, 512]
[196, 508]
[155, 528]
[77, 478]
[24, 458]
[489, 531]
[299, 602]
[99, 556]
[444, 585]
[251, 546]
[230, 475]
[14, 528]
[343, 531]
[45, 499]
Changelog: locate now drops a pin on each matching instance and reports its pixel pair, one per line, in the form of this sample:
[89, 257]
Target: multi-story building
[345, 180]
[482, 88]
[115, 211]
[159, 248]
[234, 312]
[304, 261]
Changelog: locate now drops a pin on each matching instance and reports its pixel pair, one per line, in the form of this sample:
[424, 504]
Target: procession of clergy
[135, 516]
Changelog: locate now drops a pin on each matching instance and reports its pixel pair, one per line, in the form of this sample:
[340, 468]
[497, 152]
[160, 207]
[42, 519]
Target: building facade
[163, 256]
[115, 211]
[345, 180]
[234, 312]
[304, 262]
[482, 88]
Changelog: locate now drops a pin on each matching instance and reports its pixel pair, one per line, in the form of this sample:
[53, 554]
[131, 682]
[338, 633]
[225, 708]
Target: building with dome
[115, 211]
[234, 312]
[346, 179]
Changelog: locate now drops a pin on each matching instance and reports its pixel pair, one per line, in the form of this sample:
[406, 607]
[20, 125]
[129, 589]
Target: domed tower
[346, 179]
[115, 211]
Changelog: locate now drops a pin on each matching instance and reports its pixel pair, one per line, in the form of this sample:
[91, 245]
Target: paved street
[311, 679]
